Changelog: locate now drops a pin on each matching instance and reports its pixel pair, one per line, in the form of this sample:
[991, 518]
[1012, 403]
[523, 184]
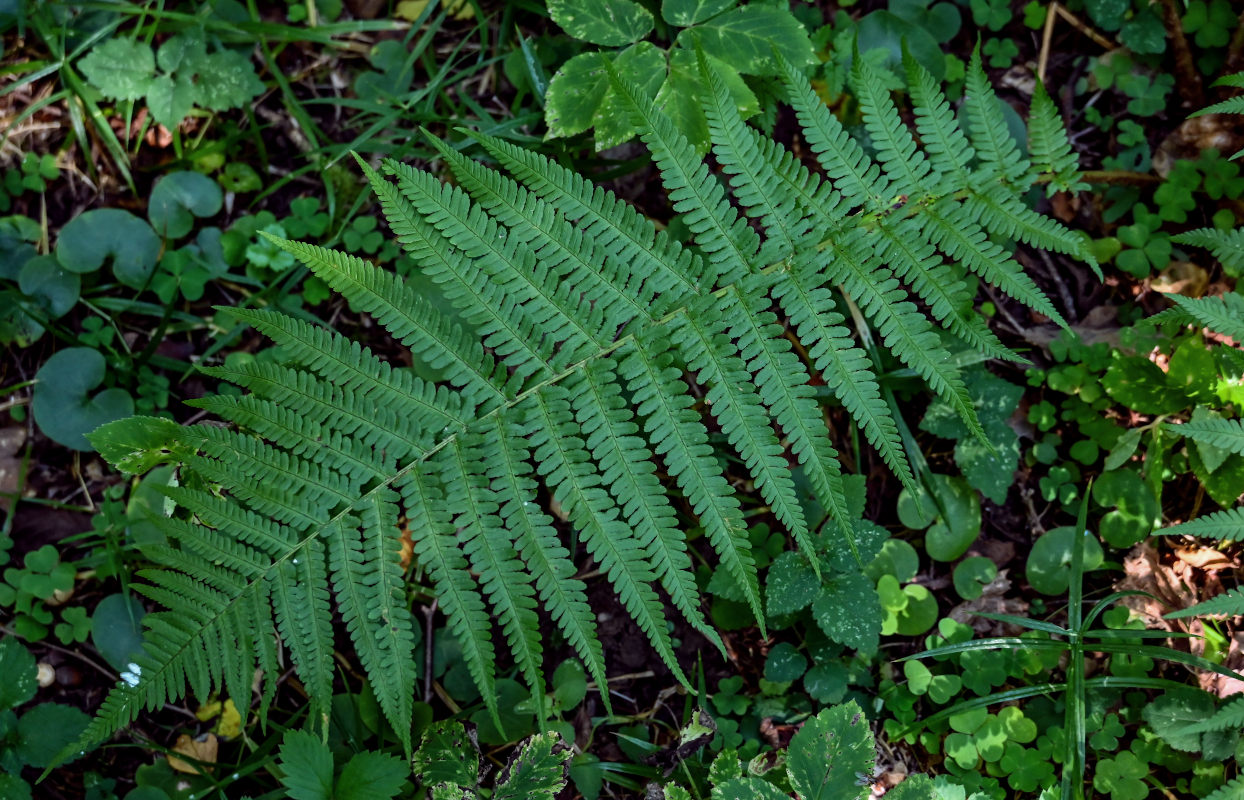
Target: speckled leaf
[745, 39]
[790, 585]
[830, 752]
[689, 12]
[680, 95]
[848, 611]
[643, 65]
[120, 68]
[575, 94]
[748, 789]
[606, 22]
[17, 666]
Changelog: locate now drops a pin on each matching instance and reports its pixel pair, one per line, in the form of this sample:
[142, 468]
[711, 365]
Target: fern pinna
[567, 373]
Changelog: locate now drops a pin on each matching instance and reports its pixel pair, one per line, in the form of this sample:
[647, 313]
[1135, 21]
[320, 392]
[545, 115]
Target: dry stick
[1190, 88]
[1235, 50]
[1047, 34]
[1102, 41]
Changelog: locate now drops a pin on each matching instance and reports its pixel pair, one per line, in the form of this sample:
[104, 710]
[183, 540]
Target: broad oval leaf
[746, 38]
[829, 754]
[689, 12]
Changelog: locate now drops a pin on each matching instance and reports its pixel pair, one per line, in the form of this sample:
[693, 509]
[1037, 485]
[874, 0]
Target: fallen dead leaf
[11, 441]
[1182, 277]
[204, 748]
[1202, 557]
[1219, 131]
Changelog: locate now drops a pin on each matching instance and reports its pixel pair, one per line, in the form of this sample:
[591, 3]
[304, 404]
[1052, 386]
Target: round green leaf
[972, 575]
[1140, 385]
[920, 613]
[56, 288]
[116, 630]
[785, 664]
[178, 198]
[64, 409]
[90, 239]
[827, 683]
[17, 666]
[882, 30]
[916, 511]
[14, 788]
[607, 22]
[897, 558]
[1050, 558]
[47, 729]
[121, 68]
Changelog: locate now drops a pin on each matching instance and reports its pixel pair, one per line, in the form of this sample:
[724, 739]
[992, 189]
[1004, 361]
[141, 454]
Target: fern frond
[565, 463]
[1234, 788]
[1226, 246]
[678, 434]
[367, 579]
[1226, 434]
[486, 543]
[845, 367]
[508, 459]
[438, 550]
[408, 317]
[615, 226]
[909, 171]
[1048, 145]
[998, 151]
[783, 385]
[1224, 525]
[1223, 314]
[710, 355]
[1230, 603]
[579, 367]
[730, 245]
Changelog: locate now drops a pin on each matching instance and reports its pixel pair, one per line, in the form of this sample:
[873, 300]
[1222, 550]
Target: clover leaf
[90, 239]
[1134, 509]
[178, 198]
[64, 409]
[1048, 561]
[1122, 776]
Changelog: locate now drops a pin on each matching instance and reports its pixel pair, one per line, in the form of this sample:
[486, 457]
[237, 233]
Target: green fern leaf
[585, 358]
[1224, 525]
[1226, 434]
[1230, 603]
[1048, 146]
[1226, 246]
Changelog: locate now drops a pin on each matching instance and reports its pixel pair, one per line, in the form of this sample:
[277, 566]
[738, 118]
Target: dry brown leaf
[1220, 131]
[1182, 277]
[1202, 557]
[11, 441]
[204, 748]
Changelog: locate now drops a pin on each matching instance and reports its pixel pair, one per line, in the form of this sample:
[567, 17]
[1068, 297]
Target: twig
[428, 612]
[1075, 22]
[1047, 34]
[1189, 77]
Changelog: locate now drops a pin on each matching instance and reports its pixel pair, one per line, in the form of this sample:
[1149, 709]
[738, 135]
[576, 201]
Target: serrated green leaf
[848, 611]
[307, 766]
[17, 666]
[830, 752]
[120, 68]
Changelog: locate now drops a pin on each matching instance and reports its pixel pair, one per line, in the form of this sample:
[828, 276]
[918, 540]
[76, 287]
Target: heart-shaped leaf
[64, 409]
[56, 288]
[90, 239]
[178, 198]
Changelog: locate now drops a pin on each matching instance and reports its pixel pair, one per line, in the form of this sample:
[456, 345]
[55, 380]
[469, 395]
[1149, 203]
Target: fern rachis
[583, 328]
